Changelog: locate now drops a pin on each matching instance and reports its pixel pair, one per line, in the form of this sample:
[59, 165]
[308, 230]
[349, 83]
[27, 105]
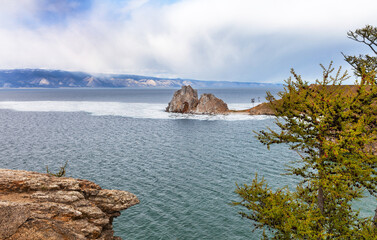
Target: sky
[227, 40]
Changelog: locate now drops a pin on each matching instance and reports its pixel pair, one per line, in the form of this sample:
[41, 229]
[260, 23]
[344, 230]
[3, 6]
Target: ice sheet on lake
[133, 110]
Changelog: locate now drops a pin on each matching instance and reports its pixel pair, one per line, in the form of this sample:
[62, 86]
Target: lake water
[183, 168]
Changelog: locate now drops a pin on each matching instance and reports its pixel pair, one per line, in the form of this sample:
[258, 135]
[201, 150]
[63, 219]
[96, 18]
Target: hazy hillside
[29, 78]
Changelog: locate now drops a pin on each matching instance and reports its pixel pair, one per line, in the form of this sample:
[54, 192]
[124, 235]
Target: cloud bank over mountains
[238, 40]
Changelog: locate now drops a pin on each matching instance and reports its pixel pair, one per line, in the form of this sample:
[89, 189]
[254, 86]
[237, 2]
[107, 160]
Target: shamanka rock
[39, 206]
[186, 100]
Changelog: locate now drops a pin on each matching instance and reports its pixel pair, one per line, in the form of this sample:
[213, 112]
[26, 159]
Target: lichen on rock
[40, 206]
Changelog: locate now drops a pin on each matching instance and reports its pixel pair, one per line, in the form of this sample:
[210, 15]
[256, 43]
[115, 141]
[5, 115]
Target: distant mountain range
[31, 78]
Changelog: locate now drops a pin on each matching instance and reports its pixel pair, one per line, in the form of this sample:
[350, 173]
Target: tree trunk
[320, 197]
[375, 218]
[321, 200]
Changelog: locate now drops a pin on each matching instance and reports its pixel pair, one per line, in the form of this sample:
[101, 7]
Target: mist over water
[183, 170]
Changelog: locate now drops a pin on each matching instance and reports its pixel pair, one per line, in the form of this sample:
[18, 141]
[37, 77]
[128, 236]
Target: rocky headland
[266, 109]
[186, 100]
[39, 206]
[261, 109]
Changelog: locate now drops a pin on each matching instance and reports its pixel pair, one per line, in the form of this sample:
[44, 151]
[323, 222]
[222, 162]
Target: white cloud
[133, 5]
[205, 39]
[14, 12]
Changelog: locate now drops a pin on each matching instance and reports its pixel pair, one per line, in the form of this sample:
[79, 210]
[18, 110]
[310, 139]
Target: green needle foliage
[333, 128]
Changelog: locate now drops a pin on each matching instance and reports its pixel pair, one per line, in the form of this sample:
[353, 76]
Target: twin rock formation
[37, 206]
[186, 100]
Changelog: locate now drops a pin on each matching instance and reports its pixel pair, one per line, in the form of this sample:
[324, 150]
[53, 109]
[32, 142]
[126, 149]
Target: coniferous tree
[333, 128]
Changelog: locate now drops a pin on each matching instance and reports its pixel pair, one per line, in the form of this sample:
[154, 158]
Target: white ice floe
[132, 110]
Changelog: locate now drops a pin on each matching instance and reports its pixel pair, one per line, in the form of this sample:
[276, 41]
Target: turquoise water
[182, 168]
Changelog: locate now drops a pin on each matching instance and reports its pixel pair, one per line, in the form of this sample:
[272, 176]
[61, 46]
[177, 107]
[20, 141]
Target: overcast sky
[233, 40]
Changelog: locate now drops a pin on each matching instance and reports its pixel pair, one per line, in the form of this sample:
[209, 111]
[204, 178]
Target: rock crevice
[40, 206]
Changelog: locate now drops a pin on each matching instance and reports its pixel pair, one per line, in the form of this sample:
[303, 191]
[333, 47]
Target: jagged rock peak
[209, 104]
[39, 206]
[184, 100]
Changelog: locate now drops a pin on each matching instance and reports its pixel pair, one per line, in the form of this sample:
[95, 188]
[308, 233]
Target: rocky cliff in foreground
[39, 206]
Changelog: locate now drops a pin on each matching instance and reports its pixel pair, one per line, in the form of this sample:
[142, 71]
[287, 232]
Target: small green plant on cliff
[61, 172]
